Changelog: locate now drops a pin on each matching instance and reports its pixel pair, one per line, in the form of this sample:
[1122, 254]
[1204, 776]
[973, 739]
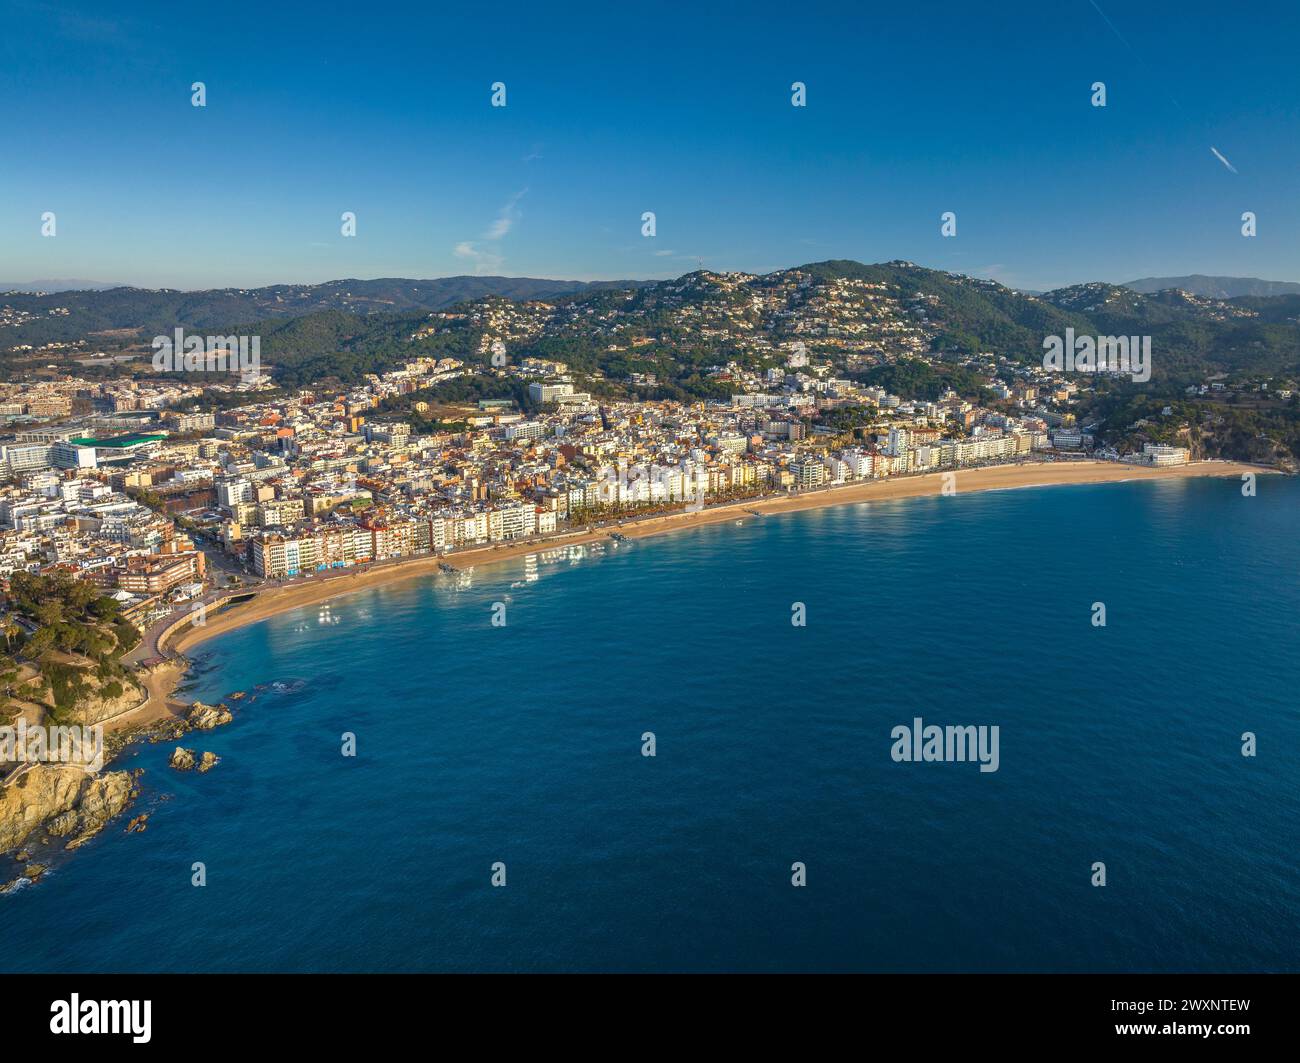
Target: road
[147, 651]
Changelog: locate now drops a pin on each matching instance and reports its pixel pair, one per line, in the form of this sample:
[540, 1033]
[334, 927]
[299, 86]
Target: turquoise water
[522, 744]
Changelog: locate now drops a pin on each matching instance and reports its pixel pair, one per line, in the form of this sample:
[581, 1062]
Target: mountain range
[675, 332]
[1215, 287]
[529, 287]
[155, 310]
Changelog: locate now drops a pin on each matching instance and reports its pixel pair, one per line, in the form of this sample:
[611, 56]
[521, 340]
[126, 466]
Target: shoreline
[159, 684]
[274, 600]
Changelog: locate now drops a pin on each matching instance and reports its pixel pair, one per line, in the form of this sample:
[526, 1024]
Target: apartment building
[1164, 456]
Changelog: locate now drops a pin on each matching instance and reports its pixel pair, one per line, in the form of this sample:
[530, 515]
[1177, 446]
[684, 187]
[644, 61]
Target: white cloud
[506, 217]
[484, 261]
[490, 259]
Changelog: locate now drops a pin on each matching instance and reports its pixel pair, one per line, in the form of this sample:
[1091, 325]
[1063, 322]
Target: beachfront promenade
[173, 635]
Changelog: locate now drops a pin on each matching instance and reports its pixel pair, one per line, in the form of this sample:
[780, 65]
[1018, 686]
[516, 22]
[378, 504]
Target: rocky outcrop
[88, 698]
[198, 717]
[208, 761]
[182, 759]
[205, 717]
[103, 798]
[96, 707]
[67, 801]
[158, 667]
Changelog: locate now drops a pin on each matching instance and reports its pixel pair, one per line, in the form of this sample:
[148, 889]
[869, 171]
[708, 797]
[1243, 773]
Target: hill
[67, 316]
[674, 338]
[63, 642]
[676, 334]
[1215, 287]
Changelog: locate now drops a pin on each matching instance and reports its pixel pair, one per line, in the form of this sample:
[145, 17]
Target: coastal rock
[205, 717]
[160, 666]
[208, 761]
[42, 791]
[64, 800]
[137, 825]
[22, 856]
[103, 798]
[182, 759]
[62, 825]
[97, 707]
[34, 871]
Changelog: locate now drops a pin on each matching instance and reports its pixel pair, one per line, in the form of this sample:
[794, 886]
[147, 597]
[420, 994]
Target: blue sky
[612, 110]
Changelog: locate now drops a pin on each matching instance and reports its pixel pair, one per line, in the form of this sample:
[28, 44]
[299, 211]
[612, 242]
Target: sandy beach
[159, 684]
[273, 599]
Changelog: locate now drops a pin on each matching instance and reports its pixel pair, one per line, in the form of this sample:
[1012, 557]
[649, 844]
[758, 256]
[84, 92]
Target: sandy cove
[159, 683]
[273, 600]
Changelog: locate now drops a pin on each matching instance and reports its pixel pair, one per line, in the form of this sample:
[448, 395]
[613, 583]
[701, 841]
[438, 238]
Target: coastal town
[154, 497]
[910, 465]
[138, 497]
[184, 508]
[163, 488]
[899, 436]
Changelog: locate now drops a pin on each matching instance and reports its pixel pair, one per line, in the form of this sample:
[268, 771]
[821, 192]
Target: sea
[498, 810]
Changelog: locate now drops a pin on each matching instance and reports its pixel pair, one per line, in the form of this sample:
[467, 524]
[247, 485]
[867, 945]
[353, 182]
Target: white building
[1164, 456]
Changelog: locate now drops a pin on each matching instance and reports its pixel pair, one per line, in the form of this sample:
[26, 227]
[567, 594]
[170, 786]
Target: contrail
[1225, 162]
[1115, 30]
[1112, 27]
[1142, 62]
